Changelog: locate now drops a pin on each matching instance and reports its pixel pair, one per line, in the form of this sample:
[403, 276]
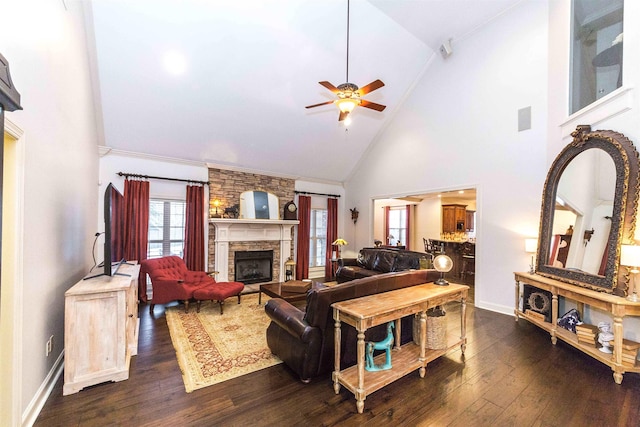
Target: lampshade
[290, 262]
[340, 242]
[630, 255]
[346, 105]
[442, 263]
[530, 245]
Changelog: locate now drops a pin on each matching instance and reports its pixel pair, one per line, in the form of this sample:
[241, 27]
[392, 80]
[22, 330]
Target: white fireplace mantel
[249, 230]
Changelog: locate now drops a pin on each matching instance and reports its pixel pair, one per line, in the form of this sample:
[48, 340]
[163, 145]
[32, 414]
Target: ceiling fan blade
[329, 86]
[343, 115]
[370, 87]
[372, 105]
[317, 105]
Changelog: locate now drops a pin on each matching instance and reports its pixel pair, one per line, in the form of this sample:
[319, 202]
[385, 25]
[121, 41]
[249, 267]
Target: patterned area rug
[212, 348]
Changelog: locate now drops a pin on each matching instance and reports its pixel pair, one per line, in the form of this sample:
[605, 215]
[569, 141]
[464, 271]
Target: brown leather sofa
[373, 261]
[304, 340]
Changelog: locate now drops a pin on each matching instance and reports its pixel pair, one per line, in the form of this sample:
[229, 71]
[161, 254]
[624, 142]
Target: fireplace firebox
[253, 266]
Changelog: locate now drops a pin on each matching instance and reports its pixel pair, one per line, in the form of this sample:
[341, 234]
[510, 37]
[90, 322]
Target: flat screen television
[113, 230]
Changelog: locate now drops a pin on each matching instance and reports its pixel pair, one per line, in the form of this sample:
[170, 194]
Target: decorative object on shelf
[630, 257]
[339, 242]
[377, 243]
[386, 345]
[290, 211]
[290, 269]
[232, 212]
[390, 238]
[569, 320]
[530, 247]
[538, 301]
[443, 264]
[587, 334]
[569, 231]
[354, 215]
[604, 337]
[213, 208]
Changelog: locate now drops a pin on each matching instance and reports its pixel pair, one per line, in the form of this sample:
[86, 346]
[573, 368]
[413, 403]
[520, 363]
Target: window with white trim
[318, 238]
[166, 228]
[397, 226]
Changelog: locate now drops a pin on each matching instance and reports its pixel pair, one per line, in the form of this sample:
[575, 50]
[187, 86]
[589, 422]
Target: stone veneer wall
[226, 186]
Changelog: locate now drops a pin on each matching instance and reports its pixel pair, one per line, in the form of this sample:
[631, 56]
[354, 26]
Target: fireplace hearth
[253, 266]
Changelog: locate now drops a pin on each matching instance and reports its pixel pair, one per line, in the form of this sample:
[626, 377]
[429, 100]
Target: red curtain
[332, 234]
[385, 240]
[408, 229]
[304, 231]
[136, 230]
[194, 228]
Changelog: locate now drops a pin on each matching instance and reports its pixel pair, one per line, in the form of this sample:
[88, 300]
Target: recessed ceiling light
[461, 192]
[174, 62]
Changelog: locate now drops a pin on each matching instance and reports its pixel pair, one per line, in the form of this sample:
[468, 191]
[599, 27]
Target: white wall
[45, 44]
[618, 111]
[458, 129]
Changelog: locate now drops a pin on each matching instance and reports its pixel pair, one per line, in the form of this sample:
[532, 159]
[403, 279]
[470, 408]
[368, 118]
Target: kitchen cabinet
[454, 218]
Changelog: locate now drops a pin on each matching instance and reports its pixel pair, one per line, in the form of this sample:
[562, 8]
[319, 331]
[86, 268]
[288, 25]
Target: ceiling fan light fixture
[346, 105]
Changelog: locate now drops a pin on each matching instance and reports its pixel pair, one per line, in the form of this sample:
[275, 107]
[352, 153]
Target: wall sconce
[530, 247]
[587, 235]
[354, 215]
[630, 257]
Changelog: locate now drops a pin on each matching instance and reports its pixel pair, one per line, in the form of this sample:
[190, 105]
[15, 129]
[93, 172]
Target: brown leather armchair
[172, 281]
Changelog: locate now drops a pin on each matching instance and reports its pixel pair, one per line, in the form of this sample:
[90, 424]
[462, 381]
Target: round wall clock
[290, 211]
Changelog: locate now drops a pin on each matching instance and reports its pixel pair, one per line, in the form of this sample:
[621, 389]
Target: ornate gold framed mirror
[589, 206]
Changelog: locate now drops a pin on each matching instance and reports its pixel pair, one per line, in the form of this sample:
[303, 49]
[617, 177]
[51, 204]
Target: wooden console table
[618, 307]
[366, 312]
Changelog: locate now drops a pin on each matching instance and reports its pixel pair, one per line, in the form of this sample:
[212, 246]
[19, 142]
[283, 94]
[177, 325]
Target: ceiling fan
[349, 94]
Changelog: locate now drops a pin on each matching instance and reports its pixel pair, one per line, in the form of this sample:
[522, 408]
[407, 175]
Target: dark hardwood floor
[511, 375]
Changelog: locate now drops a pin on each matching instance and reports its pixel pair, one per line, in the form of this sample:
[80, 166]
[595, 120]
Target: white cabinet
[101, 329]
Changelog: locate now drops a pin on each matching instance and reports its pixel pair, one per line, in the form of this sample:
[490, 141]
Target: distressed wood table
[366, 312]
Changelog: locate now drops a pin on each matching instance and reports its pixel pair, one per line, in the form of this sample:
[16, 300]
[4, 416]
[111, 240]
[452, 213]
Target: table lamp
[443, 264]
[530, 247]
[339, 242]
[630, 257]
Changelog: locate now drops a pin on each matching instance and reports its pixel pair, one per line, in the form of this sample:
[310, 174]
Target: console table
[617, 306]
[100, 329]
[366, 312]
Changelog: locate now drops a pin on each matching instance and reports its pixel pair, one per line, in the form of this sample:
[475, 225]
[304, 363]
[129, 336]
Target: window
[397, 226]
[318, 238]
[166, 228]
[596, 50]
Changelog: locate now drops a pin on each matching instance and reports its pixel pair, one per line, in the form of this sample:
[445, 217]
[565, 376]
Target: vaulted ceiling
[243, 71]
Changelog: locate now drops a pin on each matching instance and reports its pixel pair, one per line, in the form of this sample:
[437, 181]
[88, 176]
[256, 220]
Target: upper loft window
[596, 50]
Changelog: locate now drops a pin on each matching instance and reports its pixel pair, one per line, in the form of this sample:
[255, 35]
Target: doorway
[427, 212]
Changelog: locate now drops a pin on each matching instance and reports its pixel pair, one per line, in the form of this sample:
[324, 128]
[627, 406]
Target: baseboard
[32, 411]
[502, 309]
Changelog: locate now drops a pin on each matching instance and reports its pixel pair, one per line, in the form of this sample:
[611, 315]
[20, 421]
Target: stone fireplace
[234, 236]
